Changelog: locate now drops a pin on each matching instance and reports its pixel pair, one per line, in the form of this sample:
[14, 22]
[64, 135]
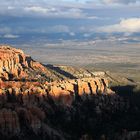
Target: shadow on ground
[60, 71]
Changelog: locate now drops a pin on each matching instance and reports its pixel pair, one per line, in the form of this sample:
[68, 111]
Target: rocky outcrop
[46, 102]
[69, 89]
[25, 97]
[14, 64]
[65, 91]
[9, 122]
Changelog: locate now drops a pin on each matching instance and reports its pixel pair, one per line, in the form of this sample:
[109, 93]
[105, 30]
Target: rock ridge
[31, 95]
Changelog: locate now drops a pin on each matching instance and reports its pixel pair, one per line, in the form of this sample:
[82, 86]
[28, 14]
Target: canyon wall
[29, 101]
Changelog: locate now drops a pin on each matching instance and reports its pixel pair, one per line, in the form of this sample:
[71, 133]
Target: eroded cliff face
[15, 65]
[68, 90]
[64, 91]
[45, 110]
[9, 122]
[42, 109]
[13, 62]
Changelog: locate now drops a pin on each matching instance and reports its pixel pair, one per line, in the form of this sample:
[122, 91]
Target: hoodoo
[32, 95]
[14, 64]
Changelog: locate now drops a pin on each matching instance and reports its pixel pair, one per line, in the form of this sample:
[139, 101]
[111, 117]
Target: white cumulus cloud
[10, 36]
[126, 25]
[39, 9]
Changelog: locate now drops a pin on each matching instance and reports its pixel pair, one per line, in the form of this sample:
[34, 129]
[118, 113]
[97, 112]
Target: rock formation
[39, 102]
[14, 64]
[9, 122]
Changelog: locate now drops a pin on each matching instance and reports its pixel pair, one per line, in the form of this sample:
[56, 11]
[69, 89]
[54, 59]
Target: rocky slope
[50, 102]
[13, 63]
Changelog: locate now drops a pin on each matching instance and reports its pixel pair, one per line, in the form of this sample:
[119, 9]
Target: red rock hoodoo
[26, 103]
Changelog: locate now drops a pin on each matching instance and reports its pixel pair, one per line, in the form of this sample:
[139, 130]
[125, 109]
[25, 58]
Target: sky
[20, 18]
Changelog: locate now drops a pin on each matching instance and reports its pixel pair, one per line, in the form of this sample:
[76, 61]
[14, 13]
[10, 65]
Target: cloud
[94, 17]
[55, 11]
[42, 7]
[125, 26]
[39, 9]
[119, 1]
[10, 36]
[58, 8]
[10, 7]
[35, 16]
[72, 34]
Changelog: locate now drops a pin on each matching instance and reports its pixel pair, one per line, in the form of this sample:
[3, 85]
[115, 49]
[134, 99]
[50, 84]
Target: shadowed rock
[38, 102]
